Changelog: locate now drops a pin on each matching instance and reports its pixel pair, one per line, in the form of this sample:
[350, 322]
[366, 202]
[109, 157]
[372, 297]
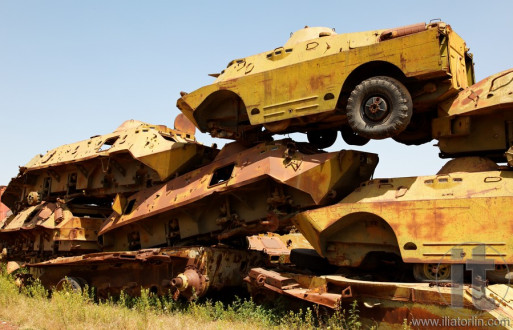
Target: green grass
[30, 307]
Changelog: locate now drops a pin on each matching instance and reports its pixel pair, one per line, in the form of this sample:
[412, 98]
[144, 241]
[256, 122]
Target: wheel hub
[437, 271]
[375, 108]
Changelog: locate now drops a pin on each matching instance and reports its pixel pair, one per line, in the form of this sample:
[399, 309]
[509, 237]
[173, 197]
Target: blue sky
[73, 69]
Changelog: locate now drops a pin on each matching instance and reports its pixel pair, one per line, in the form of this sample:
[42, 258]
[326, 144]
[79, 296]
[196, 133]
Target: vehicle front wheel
[350, 137]
[379, 107]
[322, 139]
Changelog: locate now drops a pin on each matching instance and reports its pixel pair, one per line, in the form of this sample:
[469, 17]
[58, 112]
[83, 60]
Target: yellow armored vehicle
[369, 85]
[420, 221]
[59, 200]
[377, 246]
[479, 120]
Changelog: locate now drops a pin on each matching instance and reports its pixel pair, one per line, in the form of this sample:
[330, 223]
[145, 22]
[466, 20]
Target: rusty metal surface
[168, 190]
[61, 199]
[277, 247]
[269, 89]
[492, 93]
[271, 245]
[182, 271]
[259, 278]
[402, 31]
[183, 124]
[48, 229]
[381, 303]
[242, 192]
[134, 156]
[418, 218]
[479, 120]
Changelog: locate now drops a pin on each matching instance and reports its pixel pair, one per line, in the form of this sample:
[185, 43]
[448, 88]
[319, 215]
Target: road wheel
[75, 284]
[350, 137]
[322, 139]
[432, 272]
[379, 107]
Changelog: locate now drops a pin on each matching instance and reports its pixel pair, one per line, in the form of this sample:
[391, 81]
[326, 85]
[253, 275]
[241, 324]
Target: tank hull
[61, 199]
[243, 192]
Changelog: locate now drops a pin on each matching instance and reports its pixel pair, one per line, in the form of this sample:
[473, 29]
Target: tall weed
[33, 307]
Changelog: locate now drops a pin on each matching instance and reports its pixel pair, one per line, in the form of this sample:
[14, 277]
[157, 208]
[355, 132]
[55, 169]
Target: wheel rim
[375, 109]
[70, 283]
[437, 271]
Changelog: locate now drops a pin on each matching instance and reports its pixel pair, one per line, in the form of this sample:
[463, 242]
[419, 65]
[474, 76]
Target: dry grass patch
[32, 309]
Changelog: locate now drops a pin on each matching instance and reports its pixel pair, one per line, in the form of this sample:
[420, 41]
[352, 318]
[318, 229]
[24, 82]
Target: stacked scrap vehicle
[368, 85]
[60, 200]
[149, 207]
[442, 229]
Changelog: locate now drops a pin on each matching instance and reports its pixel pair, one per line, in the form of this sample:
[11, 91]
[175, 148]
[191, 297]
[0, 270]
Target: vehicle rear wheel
[432, 272]
[350, 137]
[379, 107]
[322, 138]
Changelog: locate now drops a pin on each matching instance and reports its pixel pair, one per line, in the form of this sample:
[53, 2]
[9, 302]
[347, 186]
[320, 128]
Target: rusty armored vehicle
[395, 245]
[479, 120]
[60, 200]
[368, 85]
[183, 223]
[244, 191]
[176, 217]
[419, 220]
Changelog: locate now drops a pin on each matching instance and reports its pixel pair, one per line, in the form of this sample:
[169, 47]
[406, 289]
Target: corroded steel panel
[479, 120]
[278, 247]
[305, 84]
[127, 160]
[382, 304]
[48, 229]
[241, 193]
[61, 199]
[417, 218]
[492, 93]
[190, 272]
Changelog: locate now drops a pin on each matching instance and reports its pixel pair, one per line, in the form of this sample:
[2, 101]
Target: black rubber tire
[322, 138]
[350, 137]
[499, 274]
[418, 131]
[394, 103]
[421, 274]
